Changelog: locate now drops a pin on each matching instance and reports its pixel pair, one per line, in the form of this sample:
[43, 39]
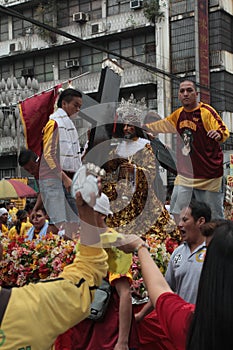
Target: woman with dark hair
[39, 227]
[21, 226]
[209, 327]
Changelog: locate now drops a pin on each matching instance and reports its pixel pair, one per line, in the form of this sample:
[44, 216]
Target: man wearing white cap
[31, 317]
[3, 221]
[114, 330]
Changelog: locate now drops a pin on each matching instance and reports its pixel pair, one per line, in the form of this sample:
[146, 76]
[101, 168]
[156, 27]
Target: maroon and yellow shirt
[198, 156]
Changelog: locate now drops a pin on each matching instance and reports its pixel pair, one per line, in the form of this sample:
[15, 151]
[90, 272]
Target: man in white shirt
[186, 261]
[68, 152]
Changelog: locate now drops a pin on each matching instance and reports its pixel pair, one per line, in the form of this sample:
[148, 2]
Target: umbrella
[12, 189]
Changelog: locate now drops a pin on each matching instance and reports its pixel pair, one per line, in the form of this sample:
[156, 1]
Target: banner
[203, 51]
[20, 202]
[35, 112]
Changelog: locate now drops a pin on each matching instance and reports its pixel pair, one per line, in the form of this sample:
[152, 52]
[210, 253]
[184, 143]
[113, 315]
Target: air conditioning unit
[72, 63]
[135, 4]
[81, 17]
[13, 47]
[27, 72]
[97, 28]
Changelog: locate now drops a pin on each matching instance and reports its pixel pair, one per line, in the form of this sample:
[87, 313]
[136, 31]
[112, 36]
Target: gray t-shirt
[184, 271]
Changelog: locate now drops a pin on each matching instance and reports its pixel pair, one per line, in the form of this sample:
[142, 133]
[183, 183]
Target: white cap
[3, 211]
[102, 205]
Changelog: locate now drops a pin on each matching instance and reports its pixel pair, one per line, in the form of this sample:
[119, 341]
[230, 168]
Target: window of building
[49, 62]
[141, 48]
[63, 13]
[150, 51]
[85, 59]
[72, 55]
[90, 60]
[126, 50]
[21, 27]
[181, 6]
[40, 67]
[4, 71]
[84, 6]
[18, 66]
[44, 68]
[4, 28]
[96, 9]
[97, 59]
[149, 92]
[114, 7]
[7, 173]
[66, 9]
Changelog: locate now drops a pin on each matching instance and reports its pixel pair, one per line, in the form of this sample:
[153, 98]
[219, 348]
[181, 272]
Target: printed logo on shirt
[200, 256]
[188, 124]
[177, 258]
[187, 138]
[2, 337]
[27, 348]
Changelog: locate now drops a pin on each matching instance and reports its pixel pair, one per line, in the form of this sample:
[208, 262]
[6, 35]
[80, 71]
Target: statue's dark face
[129, 131]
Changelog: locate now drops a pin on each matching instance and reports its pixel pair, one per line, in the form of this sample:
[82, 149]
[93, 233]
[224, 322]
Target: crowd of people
[117, 215]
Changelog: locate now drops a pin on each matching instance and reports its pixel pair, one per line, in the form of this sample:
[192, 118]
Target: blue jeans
[59, 208]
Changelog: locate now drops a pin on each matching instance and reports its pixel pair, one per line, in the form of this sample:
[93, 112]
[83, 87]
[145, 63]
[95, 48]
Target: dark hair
[68, 95]
[190, 81]
[43, 210]
[199, 209]
[208, 228]
[26, 155]
[29, 206]
[21, 215]
[211, 326]
[120, 130]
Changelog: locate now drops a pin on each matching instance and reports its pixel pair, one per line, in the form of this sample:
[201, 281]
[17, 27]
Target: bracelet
[141, 245]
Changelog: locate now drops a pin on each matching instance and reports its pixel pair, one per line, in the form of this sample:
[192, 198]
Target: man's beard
[130, 136]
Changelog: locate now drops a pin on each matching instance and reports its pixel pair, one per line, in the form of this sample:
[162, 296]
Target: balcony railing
[89, 82]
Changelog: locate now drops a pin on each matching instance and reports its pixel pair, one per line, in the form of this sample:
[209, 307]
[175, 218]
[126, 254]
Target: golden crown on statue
[132, 111]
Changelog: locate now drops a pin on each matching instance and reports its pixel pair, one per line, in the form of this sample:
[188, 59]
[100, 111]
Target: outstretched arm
[153, 278]
[125, 313]
[53, 306]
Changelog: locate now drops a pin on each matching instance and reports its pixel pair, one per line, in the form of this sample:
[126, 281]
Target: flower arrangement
[160, 252]
[30, 261]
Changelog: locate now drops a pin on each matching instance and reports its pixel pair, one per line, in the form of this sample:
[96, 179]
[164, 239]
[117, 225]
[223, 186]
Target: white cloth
[70, 157]
[128, 148]
[42, 233]
[3, 211]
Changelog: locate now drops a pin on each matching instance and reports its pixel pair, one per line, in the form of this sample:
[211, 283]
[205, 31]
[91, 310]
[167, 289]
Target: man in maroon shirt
[200, 130]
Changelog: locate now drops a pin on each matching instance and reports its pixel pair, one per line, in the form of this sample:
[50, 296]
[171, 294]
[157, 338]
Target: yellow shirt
[23, 230]
[4, 229]
[46, 309]
[12, 212]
